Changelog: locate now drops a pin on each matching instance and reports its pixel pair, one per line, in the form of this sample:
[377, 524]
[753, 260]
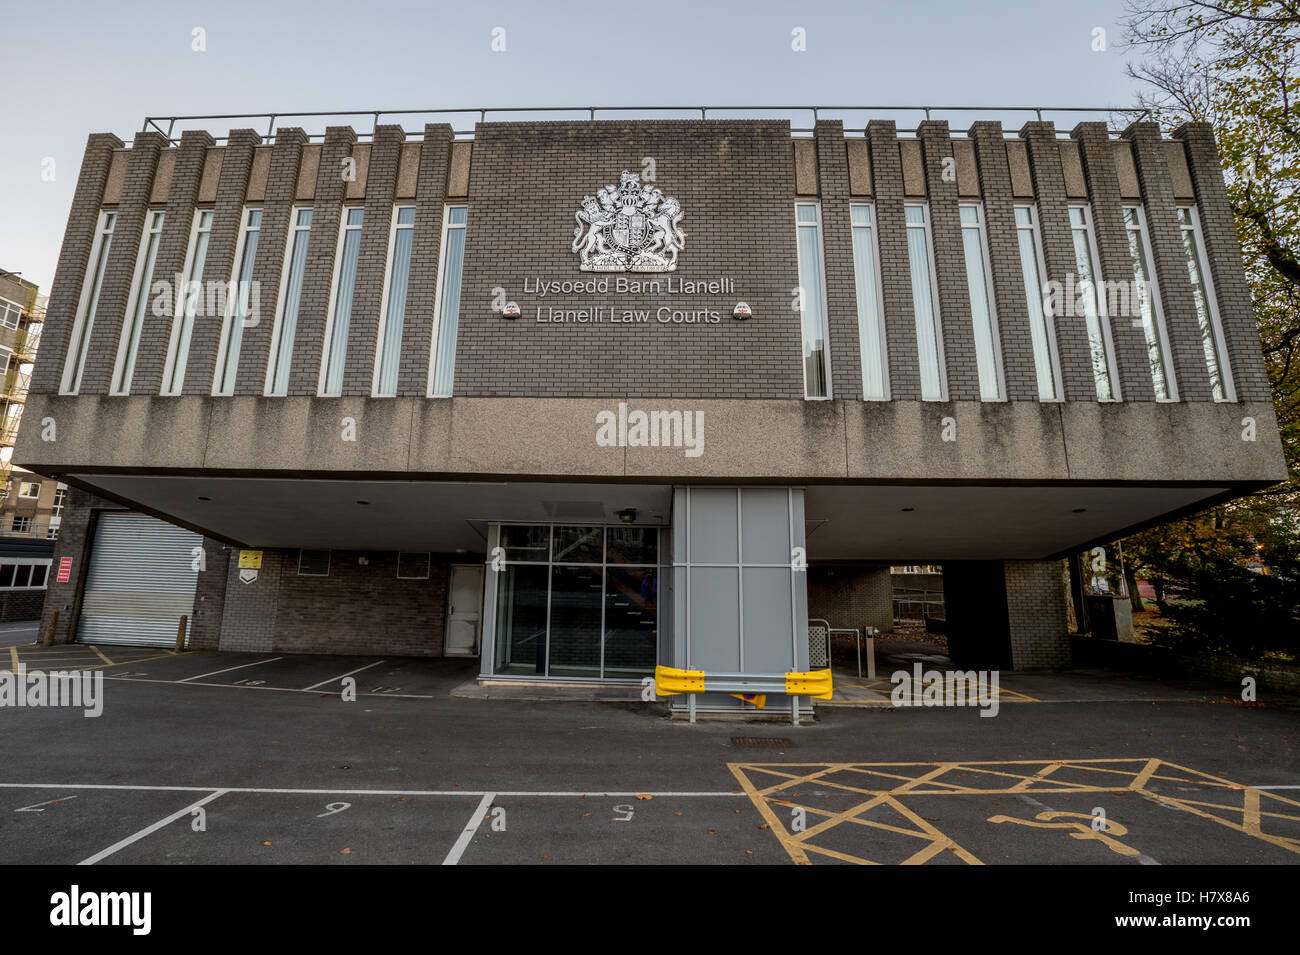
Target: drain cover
[762, 742]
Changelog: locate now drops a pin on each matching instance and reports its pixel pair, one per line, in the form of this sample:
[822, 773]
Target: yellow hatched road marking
[100, 655]
[1257, 807]
[13, 657]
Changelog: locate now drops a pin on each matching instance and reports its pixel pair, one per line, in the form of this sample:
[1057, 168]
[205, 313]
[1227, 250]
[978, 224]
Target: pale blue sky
[76, 68]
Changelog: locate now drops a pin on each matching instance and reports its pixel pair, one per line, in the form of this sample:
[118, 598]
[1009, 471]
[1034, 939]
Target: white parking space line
[281, 689]
[476, 820]
[242, 666]
[349, 673]
[105, 853]
[375, 792]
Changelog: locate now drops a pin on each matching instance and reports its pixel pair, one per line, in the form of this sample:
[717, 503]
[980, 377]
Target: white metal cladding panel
[141, 579]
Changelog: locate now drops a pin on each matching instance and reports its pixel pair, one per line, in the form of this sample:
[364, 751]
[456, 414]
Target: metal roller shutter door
[141, 579]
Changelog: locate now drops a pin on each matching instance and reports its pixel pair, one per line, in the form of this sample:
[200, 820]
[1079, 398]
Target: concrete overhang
[983, 480]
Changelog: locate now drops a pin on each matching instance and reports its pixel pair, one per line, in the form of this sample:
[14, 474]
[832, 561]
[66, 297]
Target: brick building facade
[377, 403]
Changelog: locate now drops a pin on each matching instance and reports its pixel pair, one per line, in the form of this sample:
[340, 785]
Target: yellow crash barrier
[670, 681]
[816, 683]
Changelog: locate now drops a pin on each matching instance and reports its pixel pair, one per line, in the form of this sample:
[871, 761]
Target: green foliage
[1220, 602]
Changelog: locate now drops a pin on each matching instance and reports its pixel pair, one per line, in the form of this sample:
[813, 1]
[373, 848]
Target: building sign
[250, 562]
[65, 570]
[633, 227]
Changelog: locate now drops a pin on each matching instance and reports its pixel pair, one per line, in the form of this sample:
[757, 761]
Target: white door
[464, 610]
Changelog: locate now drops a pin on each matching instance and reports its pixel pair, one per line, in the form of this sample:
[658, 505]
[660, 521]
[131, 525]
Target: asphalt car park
[203, 758]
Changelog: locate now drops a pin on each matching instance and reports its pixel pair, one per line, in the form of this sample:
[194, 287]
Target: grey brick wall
[210, 595]
[1035, 594]
[1071, 331]
[1018, 367]
[173, 244]
[363, 336]
[277, 218]
[356, 609]
[895, 277]
[1112, 248]
[70, 273]
[304, 373]
[227, 220]
[430, 196]
[1224, 252]
[852, 597]
[1176, 300]
[837, 244]
[119, 270]
[957, 332]
[735, 183]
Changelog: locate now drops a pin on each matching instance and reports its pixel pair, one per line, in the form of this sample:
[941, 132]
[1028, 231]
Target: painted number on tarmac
[332, 808]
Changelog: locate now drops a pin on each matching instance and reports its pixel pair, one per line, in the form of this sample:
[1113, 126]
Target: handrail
[273, 119]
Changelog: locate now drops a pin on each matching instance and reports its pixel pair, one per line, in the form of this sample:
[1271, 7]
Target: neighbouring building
[30, 506]
[583, 396]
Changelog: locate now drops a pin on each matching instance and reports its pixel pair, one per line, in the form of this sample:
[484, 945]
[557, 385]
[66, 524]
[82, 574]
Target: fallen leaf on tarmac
[749, 852]
[266, 843]
[763, 826]
[645, 796]
[345, 852]
[544, 856]
[737, 811]
[677, 812]
[401, 799]
[585, 815]
[713, 832]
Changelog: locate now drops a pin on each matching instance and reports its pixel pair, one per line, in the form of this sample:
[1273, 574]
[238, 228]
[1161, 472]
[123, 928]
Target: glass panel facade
[1207, 314]
[239, 314]
[395, 313]
[1040, 333]
[453, 255]
[282, 356]
[130, 345]
[76, 363]
[813, 300]
[871, 329]
[981, 302]
[923, 304]
[1135, 227]
[192, 297]
[577, 602]
[343, 289]
[1091, 295]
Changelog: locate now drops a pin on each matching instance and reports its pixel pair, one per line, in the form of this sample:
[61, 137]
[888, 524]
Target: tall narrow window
[190, 298]
[1090, 292]
[1040, 329]
[812, 299]
[238, 310]
[81, 328]
[447, 307]
[394, 302]
[979, 285]
[871, 327]
[1148, 300]
[345, 268]
[138, 305]
[1207, 310]
[924, 302]
[286, 314]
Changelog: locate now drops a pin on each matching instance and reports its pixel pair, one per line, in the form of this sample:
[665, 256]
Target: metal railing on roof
[169, 126]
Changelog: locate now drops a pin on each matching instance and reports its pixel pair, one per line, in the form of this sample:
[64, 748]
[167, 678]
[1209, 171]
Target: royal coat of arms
[631, 227]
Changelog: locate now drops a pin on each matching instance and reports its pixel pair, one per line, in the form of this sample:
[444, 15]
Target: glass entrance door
[576, 601]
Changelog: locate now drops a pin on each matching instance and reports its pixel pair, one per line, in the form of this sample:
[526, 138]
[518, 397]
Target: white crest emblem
[631, 227]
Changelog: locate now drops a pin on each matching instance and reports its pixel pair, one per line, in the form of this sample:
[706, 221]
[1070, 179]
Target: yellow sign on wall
[250, 560]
